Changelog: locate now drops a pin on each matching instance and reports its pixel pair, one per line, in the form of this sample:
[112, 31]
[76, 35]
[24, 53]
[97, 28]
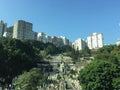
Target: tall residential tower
[23, 30]
[3, 27]
[95, 41]
[79, 44]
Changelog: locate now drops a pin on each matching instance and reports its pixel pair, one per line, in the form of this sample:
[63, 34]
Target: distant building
[60, 42]
[35, 35]
[3, 28]
[23, 30]
[118, 42]
[48, 39]
[7, 34]
[70, 43]
[65, 40]
[41, 37]
[95, 41]
[79, 44]
[55, 40]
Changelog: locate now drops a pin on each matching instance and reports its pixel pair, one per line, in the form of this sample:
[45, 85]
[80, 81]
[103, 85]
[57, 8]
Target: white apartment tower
[118, 42]
[3, 27]
[41, 37]
[79, 44]
[23, 30]
[65, 40]
[48, 39]
[95, 41]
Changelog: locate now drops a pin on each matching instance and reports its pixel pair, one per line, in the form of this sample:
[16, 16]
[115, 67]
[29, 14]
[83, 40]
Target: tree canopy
[15, 57]
[104, 72]
[30, 80]
[110, 53]
[100, 75]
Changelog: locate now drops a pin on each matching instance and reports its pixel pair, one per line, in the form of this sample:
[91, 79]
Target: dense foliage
[110, 53]
[100, 75]
[30, 80]
[15, 57]
[44, 49]
[104, 72]
[75, 54]
[10, 29]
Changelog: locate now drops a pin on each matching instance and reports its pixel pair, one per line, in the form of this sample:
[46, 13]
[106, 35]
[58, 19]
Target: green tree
[110, 53]
[10, 29]
[116, 83]
[109, 57]
[15, 57]
[100, 75]
[66, 48]
[51, 49]
[30, 80]
[75, 55]
[106, 49]
[37, 44]
[86, 52]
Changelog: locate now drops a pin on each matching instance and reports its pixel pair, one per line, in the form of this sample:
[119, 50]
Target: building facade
[55, 40]
[118, 42]
[41, 37]
[60, 42]
[3, 28]
[35, 35]
[95, 41]
[65, 40]
[48, 39]
[23, 30]
[79, 44]
[7, 34]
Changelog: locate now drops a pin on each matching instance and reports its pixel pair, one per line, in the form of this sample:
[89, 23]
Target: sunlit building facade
[79, 44]
[118, 42]
[95, 41]
[41, 37]
[65, 40]
[3, 28]
[23, 30]
[55, 40]
[48, 39]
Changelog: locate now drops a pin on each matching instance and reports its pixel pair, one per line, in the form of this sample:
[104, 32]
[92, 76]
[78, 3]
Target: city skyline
[24, 30]
[73, 19]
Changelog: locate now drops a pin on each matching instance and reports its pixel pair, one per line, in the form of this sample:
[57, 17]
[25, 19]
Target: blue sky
[71, 18]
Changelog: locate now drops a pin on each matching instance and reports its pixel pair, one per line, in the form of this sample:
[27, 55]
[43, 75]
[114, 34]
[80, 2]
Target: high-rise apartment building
[79, 44]
[35, 35]
[3, 27]
[23, 30]
[7, 34]
[60, 42]
[95, 41]
[55, 40]
[118, 42]
[65, 40]
[41, 37]
[48, 39]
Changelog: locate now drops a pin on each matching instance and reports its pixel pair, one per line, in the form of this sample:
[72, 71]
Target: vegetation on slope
[104, 72]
